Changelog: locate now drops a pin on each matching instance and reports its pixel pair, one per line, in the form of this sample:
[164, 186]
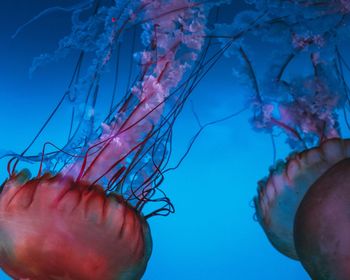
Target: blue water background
[212, 235]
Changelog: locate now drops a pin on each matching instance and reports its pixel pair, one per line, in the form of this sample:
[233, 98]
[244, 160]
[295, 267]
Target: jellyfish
[303, 94]
[82, 215]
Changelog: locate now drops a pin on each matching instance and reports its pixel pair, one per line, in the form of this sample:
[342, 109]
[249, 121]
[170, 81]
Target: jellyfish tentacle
[125, 136]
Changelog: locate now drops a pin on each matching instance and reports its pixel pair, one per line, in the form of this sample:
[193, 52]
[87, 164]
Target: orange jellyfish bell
[280, 195]
[322, 225]
[52, 225]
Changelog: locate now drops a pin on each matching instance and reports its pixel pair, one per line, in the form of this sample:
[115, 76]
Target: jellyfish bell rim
[68, 214]
[280, 195]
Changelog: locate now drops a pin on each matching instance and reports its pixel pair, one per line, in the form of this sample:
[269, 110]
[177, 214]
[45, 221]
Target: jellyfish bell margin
[297, 208]
[54, 227]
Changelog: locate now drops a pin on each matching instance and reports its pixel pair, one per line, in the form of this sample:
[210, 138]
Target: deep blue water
[212, 235]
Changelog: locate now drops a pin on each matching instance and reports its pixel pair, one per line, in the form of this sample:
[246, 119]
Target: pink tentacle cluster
[174, 32]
